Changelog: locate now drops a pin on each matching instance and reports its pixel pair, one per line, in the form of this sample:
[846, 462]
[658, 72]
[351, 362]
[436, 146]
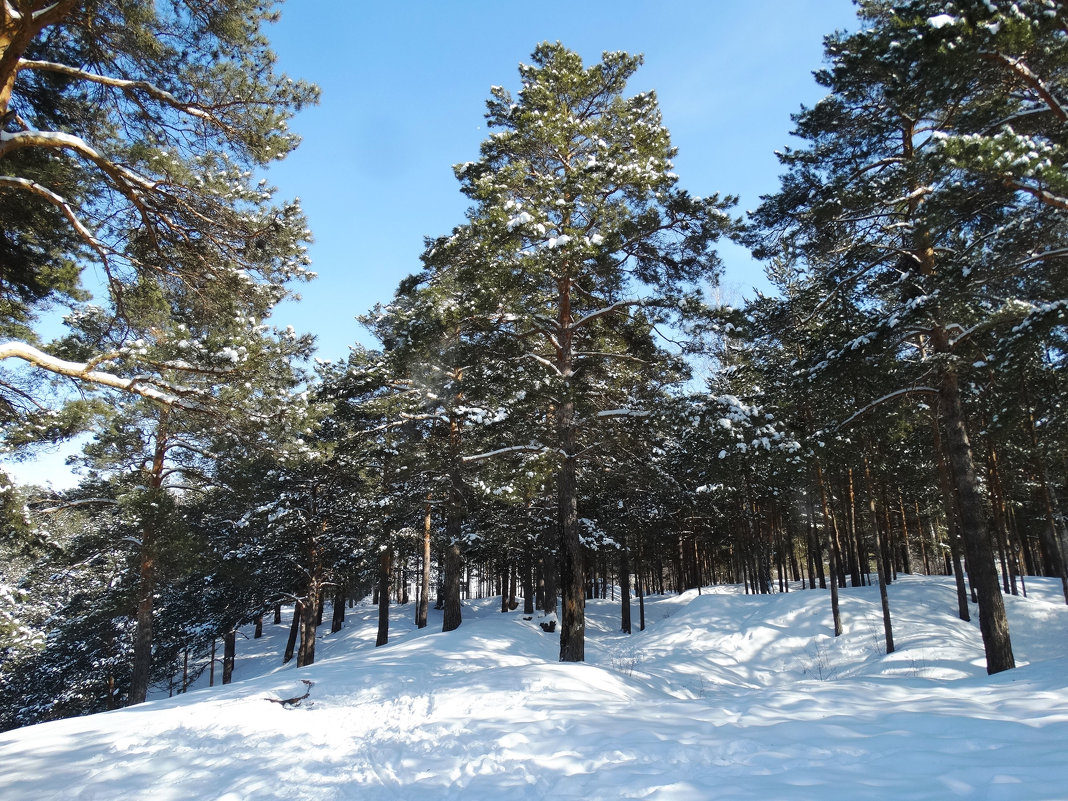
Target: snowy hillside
[723, 696]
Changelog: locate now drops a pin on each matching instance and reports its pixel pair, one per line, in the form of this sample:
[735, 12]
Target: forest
[556, 411]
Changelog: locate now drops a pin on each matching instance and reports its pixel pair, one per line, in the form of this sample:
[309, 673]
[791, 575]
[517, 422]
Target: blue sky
[404, 86]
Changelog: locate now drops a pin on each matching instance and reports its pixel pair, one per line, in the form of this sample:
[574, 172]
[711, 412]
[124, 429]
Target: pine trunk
[454, 563]
[385, 570]
[146, 590]
[337, 620]
[832, 536]
[294, 630]
[309, 616]
[977, 546]
[884, 598]
[229, 654]
[423, 610]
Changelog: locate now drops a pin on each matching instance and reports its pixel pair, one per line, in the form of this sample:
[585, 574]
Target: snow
[723, 696]
[941, 20]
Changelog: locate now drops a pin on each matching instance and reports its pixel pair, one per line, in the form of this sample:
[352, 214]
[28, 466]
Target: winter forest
[559, 427]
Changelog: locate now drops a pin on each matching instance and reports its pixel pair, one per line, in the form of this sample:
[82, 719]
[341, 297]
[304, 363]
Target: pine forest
[560, 421]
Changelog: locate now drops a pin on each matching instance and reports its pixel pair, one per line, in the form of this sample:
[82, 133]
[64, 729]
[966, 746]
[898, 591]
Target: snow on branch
[172, 396]
[56, 200]
[581, 321]
[125, 85]
[890, 396]
[610, 413]
[1043, 195]
[1025, 73]
[73, 504]
[543, 361]
[481, 457]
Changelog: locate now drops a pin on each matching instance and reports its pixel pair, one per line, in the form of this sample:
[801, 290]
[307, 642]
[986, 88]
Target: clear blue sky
[404, 86]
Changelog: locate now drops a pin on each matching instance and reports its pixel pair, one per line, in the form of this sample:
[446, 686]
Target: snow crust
[723, 696]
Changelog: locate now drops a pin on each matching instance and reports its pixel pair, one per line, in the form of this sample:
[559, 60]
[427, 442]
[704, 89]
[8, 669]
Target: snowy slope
[723, 696]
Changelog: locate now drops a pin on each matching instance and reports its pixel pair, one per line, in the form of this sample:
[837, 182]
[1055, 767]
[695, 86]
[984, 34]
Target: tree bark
[423, 610]
[992, 619]
[294, 630]
[624, 588]
[884, 598]
[573, 586]
[229, 654]
[146, 590]
[337, 620]
[309, 616]
[385, 569]
[454, 563]
[832, 537]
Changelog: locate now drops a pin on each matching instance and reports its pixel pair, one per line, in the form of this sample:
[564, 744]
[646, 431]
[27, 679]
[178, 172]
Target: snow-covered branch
[171, 396]
[586, 319]
[79, 227]
[74, 504]
[621, 356]
[1043, 195]
[125, 85]
[890, 396]
[543, 361]
[1029, 77]
[610, 413]
[481, 457]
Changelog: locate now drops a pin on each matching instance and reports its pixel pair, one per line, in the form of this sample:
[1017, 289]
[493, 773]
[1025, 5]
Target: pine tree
[584, 244]
[130, 136]
[932, 252]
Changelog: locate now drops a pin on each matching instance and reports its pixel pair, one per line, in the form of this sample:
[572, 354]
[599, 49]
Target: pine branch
[880, 401]
[170, 396]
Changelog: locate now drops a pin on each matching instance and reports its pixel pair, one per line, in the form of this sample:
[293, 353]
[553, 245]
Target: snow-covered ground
[724, 696]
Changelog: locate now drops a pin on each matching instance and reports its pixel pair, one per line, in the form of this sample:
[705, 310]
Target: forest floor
[723, 696]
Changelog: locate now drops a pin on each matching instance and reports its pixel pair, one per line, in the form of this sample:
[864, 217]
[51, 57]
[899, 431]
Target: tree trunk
[294, 630]
[832, 537]
[573, 587]
[229, 654]
[528, 583]
[309, 616]
[454, 563]
[1055, 549]
[146, 590]
[884, 599]
[337, 620]
[624, 588]
[992, 620]
[949, 500]
[423, 610]
[385, 569]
